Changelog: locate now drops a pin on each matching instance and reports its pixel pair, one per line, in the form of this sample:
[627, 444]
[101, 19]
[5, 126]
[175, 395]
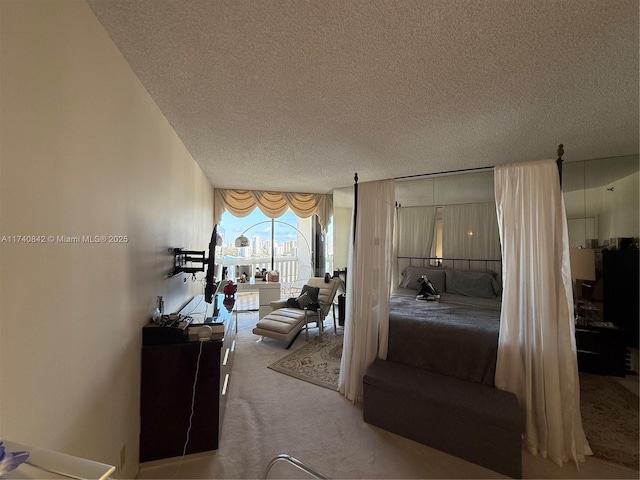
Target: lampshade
[583, 263]
[242, 241]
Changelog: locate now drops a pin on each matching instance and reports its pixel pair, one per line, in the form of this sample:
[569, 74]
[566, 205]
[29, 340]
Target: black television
[210, 283]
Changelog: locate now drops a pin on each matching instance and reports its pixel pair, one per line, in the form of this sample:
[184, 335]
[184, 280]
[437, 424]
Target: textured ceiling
[299, 95]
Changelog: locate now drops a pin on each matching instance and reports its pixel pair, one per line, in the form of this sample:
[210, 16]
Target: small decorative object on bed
[427, 290]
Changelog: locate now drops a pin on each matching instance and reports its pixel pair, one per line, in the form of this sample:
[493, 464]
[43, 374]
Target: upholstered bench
[478, 423]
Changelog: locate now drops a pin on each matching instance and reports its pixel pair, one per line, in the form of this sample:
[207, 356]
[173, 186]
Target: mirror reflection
[603, 210]
[601, 198]
[602, 201]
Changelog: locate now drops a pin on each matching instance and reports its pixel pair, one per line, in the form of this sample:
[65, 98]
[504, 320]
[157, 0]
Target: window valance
[273, 204]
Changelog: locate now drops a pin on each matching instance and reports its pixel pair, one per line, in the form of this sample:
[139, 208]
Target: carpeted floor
[610, 419]
[269, 413]
[609, 411]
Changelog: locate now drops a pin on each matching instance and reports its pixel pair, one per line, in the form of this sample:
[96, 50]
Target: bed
[437, 384]
[457, 335]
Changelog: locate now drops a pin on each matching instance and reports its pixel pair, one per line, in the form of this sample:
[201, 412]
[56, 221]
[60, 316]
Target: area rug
[610, 419]
[315, 362]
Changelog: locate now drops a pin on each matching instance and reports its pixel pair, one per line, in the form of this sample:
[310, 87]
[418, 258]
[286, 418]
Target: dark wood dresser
[621, 291]
[171, 409]
[601, 350]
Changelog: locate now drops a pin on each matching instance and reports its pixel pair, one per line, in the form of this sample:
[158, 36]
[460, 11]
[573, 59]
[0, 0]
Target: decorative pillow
[412, 275]
[313, 292]
[303, 300]
[472, 283]
[307, 299]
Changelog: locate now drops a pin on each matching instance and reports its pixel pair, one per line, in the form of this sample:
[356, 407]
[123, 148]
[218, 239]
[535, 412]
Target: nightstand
[601, 349]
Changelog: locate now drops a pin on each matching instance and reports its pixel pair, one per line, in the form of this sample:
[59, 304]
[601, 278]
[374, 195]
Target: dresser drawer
[600, 350]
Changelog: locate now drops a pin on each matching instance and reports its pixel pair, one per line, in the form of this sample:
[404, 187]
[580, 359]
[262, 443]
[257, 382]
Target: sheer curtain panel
[414, 234]
[366, 330]
[470, 231]
[416, 227]
[536, 346]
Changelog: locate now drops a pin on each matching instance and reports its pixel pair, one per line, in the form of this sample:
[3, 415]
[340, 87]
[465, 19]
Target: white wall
[341, 236]
[602, 213]
[84, 151]
[619, 208]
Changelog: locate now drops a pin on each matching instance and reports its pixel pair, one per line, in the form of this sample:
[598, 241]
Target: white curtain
[536, 346]
[366, 330]
[470, 231]
[414, 233]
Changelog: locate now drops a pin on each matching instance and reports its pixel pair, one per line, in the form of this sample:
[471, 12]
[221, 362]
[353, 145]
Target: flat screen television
[210, 283]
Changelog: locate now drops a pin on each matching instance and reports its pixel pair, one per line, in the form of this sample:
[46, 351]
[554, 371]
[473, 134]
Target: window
[283, 244]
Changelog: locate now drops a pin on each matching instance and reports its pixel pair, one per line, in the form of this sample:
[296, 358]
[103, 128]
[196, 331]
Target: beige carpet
[610, 419]
[609, 411]
[315, 362]
[269, 413]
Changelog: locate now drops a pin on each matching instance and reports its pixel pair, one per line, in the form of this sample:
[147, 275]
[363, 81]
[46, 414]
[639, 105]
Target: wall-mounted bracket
[187, 261]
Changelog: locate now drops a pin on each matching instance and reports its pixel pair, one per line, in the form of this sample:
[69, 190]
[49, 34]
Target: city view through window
[290, 253]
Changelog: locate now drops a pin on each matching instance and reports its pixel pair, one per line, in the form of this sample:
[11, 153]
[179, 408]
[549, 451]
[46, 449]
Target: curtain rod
[559, 161]
[355, 204]
[443, 173]
[560, 152]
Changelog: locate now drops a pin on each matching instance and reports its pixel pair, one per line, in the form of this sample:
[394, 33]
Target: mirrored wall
[465, 188]
[602, 201]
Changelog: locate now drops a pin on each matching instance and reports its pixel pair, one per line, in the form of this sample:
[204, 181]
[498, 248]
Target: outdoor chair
[287, 320]
[294, 287]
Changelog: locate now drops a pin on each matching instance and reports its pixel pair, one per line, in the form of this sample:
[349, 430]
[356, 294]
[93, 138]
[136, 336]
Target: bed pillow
[411, 277]
[471, 283]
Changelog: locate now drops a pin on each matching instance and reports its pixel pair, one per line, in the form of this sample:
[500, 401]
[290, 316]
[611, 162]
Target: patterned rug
[315, 362]
[610, 419]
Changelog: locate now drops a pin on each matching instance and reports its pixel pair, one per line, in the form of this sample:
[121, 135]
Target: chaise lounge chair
[286, 322]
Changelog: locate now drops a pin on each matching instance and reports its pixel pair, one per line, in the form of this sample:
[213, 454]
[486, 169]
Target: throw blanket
[448, 339]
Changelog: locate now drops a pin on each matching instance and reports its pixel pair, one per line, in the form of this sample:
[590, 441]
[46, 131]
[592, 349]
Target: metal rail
[440, 260]
[296, 463]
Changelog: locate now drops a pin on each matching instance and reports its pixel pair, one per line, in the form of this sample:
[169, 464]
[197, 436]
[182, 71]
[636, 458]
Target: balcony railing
[286, 266]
